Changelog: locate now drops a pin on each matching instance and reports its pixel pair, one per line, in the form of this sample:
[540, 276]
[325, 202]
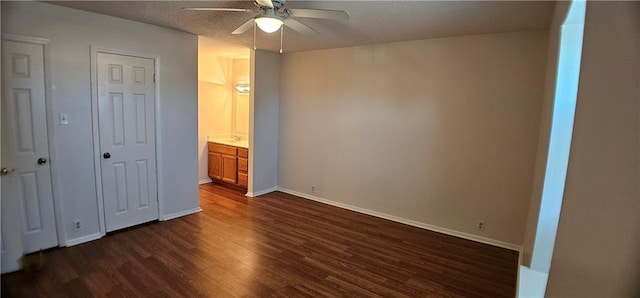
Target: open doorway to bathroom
[223, 112]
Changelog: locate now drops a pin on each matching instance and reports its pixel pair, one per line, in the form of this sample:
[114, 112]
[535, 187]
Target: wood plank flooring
[275, 245]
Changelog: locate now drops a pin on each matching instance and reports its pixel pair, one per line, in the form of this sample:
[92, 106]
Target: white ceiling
[371, 21]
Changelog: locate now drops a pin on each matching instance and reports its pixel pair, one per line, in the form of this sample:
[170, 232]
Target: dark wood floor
[276, 245]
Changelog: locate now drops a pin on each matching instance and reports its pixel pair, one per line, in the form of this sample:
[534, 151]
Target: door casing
[96, 128]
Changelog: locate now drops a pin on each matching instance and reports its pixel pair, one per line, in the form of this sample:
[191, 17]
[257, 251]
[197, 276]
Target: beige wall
[560, 13]
[598, 240]
[215, 93]
[440, 131]
[240, 124]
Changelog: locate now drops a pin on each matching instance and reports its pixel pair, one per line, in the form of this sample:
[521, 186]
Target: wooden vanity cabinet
[243, 167]
[228, 164]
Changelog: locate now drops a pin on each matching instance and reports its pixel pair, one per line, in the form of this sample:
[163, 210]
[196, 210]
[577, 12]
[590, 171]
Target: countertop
[231, 142]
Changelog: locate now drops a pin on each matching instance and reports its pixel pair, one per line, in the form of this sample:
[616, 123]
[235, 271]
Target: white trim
[96, 127]
[27, 39]
[519, 273]
[83, 239]
[180, 214]
[159, 171]
[205, 181]
[414, 223]
[96, 139]
[261, 192]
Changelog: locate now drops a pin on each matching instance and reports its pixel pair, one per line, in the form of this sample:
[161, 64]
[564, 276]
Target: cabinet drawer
[243, 165]
[243, 152]
[243, 179]
[223, 149]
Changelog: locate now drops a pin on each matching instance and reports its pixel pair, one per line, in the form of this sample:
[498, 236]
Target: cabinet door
[215, 166]
[243, 179]
[229, 169]
[243, 165]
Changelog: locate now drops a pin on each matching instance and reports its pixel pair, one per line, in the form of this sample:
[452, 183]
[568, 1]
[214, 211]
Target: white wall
[263, 122]
[440, 131]
[72, 32]
[598, 241]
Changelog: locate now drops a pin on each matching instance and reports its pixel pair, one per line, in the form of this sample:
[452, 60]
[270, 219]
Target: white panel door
[28, 220]
[127, 139]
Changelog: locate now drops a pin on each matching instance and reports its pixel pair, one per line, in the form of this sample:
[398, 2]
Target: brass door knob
[42, 161]
[5, 171]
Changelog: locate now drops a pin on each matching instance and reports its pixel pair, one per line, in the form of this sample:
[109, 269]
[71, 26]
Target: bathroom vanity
[228, 162]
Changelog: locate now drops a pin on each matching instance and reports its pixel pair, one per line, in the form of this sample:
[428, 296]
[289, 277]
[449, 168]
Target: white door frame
[53, 162]
[96, 127]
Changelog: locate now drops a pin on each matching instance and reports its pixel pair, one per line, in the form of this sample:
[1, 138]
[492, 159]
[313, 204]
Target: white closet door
[28, 220]
[127, 139]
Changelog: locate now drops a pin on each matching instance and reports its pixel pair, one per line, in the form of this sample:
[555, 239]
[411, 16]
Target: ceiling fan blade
[217, 9]
[319, 14]
[266, 3]
[299, 27]
[244, 27]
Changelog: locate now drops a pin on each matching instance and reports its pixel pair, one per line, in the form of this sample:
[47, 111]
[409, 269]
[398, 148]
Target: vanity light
[268, 23]
[244, 89]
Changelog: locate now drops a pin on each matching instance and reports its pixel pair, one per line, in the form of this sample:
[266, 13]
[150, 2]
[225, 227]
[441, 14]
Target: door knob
[42, 161]
[5, 171]
[106, 155]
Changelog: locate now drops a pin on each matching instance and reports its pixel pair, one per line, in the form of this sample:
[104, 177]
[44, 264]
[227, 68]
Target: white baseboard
[261, 192]
[82, 239]
[180, 214]
[205, 181]
[414, 223]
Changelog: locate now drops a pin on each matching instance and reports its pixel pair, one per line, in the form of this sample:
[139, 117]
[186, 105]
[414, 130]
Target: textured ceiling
[371, 21]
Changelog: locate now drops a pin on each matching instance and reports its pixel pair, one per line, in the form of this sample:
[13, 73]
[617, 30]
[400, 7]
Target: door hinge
[154, 77]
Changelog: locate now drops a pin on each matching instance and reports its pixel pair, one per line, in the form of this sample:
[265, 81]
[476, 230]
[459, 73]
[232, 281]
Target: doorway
[223, 112]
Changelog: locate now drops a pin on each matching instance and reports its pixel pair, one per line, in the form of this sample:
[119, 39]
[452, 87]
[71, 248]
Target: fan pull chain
[281, 37]
[254, 36]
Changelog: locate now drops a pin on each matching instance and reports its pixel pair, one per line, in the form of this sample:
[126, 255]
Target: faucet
[236, 138]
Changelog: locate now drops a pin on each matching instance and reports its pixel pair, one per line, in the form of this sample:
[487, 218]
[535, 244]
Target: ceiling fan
[271, 15]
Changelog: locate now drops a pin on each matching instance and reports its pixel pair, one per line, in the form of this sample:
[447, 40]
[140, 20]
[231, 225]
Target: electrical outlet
[313, 189]
[481, 225]
[77, 225]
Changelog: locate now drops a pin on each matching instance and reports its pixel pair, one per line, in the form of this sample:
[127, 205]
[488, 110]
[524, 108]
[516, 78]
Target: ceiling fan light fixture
[269, 24]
